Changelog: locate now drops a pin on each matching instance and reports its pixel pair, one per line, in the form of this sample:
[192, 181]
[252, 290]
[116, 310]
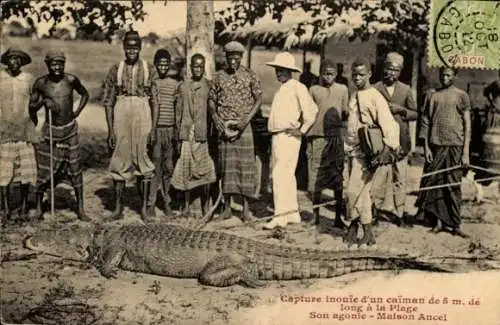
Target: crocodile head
[70, 242]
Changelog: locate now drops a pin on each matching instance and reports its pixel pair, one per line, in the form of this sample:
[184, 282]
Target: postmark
[464, 34]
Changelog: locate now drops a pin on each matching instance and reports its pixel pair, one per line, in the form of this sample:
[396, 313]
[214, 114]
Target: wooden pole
[200, 26]
[323, 46]
[200, 34]
[51, 144]
[304, 58]
[415, 70]
[249, 52]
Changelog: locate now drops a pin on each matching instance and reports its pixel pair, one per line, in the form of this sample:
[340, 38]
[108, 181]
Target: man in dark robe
[446, 130]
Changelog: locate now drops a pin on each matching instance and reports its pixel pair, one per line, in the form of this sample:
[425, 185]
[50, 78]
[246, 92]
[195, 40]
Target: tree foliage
[105, 17]
[402, 23]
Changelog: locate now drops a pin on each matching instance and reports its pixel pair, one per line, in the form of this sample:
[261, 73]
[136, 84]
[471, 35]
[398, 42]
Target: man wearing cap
[55, 91]
[389, 182]
[17, 132]
[291, 104]
[127, 91]
[234, 98]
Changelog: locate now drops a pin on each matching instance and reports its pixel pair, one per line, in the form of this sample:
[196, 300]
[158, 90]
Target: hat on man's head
[284, 60]
[234, 46]
[55, 55]
[15, 50]
[394, 57]
[328, 64]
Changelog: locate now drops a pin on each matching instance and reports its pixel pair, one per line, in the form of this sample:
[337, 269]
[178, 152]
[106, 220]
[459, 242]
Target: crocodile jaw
[72, 243]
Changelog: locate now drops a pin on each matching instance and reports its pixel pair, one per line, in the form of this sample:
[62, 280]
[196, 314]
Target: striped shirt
[164, 92]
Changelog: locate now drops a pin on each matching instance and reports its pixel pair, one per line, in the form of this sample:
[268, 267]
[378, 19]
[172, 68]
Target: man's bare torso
[61, 93]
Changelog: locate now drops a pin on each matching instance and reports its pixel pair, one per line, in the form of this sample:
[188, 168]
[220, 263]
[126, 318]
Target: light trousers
[359, 202]
[132, 124]
[285, 154]
[389, 188]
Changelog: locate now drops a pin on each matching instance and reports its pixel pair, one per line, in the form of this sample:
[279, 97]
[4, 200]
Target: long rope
[427, 188]
[488, 170]
[439, 171]
[434, 187]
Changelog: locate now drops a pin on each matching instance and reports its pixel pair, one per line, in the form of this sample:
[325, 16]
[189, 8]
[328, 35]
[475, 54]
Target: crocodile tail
[283, 268]
[414, 263]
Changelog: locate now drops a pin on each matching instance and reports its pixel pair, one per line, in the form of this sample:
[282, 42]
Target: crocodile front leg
[109, 261]
[227, 270]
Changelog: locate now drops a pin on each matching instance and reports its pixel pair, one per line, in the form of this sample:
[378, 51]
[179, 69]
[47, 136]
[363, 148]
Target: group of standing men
[25, 156]
[187, 134]
[376, 184]
[178, 121]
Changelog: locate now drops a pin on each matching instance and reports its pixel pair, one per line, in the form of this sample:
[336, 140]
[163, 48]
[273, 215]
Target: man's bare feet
[351, 237]
[438, 227]
[83, 216]
[227, 213]
[459, 232]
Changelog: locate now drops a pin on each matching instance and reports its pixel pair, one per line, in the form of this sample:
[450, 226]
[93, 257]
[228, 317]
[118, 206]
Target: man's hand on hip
[294, 132]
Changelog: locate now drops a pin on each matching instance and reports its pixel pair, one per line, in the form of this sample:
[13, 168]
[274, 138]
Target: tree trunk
[200, 28]
[200, 34]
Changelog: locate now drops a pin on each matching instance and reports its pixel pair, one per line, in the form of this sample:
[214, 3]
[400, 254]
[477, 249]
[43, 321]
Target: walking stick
[51, 142]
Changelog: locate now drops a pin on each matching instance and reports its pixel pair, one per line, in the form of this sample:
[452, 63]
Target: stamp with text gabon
[464, 34]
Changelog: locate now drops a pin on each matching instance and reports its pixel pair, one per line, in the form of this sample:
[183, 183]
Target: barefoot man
[235, 97]
[195, 168]
[367, 107]
[446, 131]
[55, 92]
[17, 154]
[127, 89]
[164, 134]
[325, 143]
[389, 183]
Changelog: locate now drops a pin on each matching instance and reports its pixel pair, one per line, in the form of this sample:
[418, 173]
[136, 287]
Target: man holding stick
[60, 132]
[446, 130]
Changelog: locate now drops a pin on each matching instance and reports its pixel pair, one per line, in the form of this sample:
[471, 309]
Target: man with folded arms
[234, 98]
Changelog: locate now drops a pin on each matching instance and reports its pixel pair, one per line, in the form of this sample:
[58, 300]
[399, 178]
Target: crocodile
[215, 258]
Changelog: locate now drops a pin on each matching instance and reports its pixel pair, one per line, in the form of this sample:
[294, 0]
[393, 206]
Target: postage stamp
[464, 34]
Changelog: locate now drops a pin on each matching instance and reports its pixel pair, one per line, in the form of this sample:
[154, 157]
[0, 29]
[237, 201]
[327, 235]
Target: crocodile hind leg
[109, 260]
[225, 271]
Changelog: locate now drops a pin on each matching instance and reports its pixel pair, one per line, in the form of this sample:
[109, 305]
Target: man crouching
[55, 92]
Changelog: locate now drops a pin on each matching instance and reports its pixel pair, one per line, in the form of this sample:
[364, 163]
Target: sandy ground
[66, 292]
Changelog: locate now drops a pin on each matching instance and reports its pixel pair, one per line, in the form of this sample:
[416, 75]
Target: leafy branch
[401, 23]
[105, 16]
